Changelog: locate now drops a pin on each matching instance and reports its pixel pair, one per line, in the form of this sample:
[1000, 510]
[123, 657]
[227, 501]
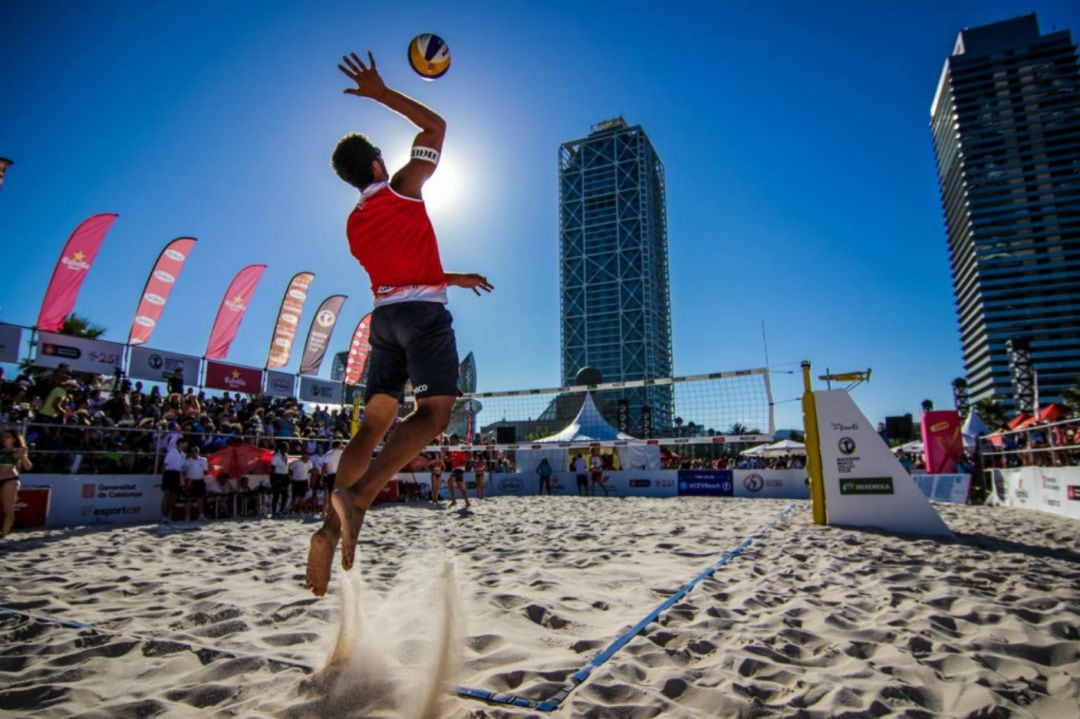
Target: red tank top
[392, 237]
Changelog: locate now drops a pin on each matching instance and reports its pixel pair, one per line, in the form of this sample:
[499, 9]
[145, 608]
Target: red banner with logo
[319, 334]
[943, 440]
[288, 319]
[158, 286]
[231, 312]
[233, 378]
[70, 271]
[358, 351]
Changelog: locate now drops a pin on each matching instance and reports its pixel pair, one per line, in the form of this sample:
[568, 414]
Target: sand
[806, 622]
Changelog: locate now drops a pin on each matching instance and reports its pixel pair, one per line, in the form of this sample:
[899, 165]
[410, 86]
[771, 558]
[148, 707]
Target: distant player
[411, 335]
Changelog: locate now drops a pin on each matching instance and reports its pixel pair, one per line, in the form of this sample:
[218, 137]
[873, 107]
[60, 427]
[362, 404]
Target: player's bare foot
[320, 560]
[352, 519]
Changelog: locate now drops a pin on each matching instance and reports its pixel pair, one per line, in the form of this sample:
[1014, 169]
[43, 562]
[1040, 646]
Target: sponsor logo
[76, 262]
[754, 482]
[175, 255]
[939, 426]
[64, 351]
[640, 483]
[1051, 484]
[846, 445]
[719, 440]
[421, 388]
[89, 490]
[841, 427]
[866, 485]
[236, 304]
[111, 511]
[665, 483]
[747, 437]
[154, 299]
[164, 276]
[1074, 493]
[280, 384]
[298, 295]
[283, 342]
[326, 318]
[144, 321]
[155, 361]
[511, 485]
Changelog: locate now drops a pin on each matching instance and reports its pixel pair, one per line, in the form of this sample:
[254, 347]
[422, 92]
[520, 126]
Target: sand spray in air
[397, 651]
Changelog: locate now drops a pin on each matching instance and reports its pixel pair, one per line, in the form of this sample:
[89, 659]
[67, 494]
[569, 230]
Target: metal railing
[1047, 444]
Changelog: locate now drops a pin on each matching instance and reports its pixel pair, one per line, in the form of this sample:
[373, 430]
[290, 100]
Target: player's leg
[430, 417]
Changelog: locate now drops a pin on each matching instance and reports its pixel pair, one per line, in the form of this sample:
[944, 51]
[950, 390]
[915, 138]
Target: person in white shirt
[170, 479]
[596, 470]
[330, 467]
[279, 479]
[318, 462]
[193, 473]
[300, 479]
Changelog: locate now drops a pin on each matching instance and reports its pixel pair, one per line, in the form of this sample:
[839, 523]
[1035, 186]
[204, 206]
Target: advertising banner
[79, 353]
[280, 384]
[319, 334]
[865, 485]
[1047, 489]
[358, 351]
[320, 391]
[158, 287]
[99, 498]
[70, 271]
[772, 483]
[231, 311]
[10, 337]
[157, 365]
[951, 488]
[706, 482]
[233, 378]
[288, 319]
[943, 441]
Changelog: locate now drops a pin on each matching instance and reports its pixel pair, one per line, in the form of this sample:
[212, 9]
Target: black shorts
[196, 488]
[170, 481]
[328, 482]
[299, 488]
[457, 475]
[412, 341]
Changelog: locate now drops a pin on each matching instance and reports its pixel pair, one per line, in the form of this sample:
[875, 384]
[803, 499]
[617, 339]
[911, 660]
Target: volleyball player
[411, 335]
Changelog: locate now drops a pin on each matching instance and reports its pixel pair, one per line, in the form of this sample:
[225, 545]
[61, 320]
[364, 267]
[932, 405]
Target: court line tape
[544, 705]
[579, 677]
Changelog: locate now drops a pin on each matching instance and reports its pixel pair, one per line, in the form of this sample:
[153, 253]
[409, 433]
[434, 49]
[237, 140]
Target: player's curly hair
[352, 160]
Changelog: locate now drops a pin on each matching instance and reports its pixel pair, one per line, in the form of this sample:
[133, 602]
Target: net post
[813, 448]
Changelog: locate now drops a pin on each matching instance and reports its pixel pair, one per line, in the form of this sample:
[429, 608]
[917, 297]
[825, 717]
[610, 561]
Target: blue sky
[801, 188]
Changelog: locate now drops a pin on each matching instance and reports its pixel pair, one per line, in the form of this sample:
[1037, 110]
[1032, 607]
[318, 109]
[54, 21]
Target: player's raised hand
[367, 79]
[470, 281]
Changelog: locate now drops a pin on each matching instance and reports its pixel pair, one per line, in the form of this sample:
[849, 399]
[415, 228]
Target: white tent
[588, 426]
[915, 447]
[973, 427]
[776, 449]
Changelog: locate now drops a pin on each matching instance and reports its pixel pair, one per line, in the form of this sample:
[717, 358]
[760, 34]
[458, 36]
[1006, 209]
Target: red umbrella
[416, 464]
[236, 460]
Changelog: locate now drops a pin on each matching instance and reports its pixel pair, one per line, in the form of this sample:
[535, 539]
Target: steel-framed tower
[616, 301]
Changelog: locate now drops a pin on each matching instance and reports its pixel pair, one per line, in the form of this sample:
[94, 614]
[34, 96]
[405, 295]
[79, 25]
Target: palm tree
[1071, 398]
[77, 326]
[991, 412]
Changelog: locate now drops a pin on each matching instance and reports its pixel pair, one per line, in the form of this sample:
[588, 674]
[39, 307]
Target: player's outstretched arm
[429, 141]
[469, 280]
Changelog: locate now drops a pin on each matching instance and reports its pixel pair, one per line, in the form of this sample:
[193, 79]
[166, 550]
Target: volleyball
[429, 56]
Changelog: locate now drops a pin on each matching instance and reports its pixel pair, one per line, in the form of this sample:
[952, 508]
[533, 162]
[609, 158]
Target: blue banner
[706, 483]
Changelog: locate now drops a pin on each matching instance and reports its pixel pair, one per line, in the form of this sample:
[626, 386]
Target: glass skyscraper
[1006, 128]
[616, 305]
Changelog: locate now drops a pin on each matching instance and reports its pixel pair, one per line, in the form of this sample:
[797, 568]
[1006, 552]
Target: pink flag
[233, 305]
[292, 306]
[319, 334]
[158, 286]
[70, 271]
[358, 351]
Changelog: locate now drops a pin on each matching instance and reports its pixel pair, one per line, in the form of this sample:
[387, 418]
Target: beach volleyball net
[714, 408]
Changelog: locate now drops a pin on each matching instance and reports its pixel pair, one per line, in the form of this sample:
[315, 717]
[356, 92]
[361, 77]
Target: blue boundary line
[545, 705]
[580, 676]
